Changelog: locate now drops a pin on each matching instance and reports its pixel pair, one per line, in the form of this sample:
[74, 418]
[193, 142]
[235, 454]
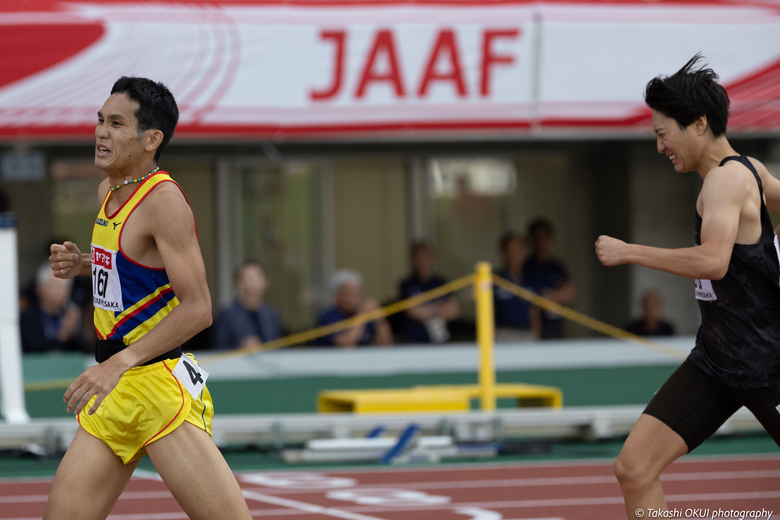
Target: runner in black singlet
[736, 268]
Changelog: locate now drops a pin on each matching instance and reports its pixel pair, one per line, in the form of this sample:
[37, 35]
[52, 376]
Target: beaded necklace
[113, 188]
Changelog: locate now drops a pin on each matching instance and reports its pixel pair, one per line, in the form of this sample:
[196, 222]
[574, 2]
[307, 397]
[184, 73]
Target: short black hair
[540, 224]
[418, 245]
[688, 94]
[157, 108]
[510, 236]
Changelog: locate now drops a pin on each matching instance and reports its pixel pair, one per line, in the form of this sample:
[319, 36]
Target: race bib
[190, 375]
[106, 289]
[704, 291]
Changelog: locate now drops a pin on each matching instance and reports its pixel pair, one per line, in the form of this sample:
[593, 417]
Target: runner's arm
[172, 227]
[721, 196]
[177, 244]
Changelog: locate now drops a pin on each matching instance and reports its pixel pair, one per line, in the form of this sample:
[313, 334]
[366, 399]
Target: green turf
[581, 387]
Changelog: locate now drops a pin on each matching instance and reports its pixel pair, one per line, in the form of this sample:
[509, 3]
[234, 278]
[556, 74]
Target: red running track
[519, 491]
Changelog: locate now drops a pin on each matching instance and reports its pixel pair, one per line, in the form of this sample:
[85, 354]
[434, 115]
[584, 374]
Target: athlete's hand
[611, 251]
[96, 381]
[65, 260]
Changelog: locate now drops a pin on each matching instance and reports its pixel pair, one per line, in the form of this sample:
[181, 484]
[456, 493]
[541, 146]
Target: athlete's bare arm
[722, 202]
[164, 221]
[66, 259]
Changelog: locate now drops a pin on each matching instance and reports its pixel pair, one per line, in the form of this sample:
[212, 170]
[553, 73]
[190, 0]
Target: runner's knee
[632, 471]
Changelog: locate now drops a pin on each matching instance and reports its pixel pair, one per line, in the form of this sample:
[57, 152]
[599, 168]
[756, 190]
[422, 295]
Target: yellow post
[483, 296]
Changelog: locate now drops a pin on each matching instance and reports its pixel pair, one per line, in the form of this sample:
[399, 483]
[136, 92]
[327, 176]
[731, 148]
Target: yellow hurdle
[425, 399]
[483, 296]
[449, 398]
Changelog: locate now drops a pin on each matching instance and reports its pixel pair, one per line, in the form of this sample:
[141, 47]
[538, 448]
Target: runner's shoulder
[168, 196]
[732, 180]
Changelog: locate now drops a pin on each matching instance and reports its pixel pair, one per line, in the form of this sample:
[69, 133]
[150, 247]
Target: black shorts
[695, 406]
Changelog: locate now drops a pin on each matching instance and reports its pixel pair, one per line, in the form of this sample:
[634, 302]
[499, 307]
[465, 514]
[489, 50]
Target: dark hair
[510, 236]
[156, 106]
[689, 94]
[418, 245]
[540, 224]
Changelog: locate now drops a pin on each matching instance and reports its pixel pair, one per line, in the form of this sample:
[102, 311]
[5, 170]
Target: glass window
[280, 226]
[475, 200]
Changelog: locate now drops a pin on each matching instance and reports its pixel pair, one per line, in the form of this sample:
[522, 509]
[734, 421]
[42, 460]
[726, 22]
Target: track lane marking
[556, 502]
[544, 481]
[303, 506]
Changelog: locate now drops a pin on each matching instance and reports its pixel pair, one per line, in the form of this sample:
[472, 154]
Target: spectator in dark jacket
[52, 321]
[651, 323]
[249, 320]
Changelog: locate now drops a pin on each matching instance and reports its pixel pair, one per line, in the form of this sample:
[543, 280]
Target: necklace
[113, 188]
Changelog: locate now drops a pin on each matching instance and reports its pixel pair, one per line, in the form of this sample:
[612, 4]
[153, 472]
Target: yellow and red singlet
[129, 298]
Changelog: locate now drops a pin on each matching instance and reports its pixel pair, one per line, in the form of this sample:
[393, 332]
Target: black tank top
[738, 341]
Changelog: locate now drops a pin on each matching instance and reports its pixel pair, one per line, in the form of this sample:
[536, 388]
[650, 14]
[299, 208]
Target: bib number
[106, 289]
[704, 291]
[190, 375]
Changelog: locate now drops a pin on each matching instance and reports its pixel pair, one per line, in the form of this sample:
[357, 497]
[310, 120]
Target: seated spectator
[249, 320]
[348, 297]
[651, 323]
[51, 321]
[429, 322]
[547, 276]
[516, 319]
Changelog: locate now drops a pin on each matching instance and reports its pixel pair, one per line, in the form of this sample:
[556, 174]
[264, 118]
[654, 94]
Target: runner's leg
[684, 412]
[650, 447]
[88, 482]
[197, 475]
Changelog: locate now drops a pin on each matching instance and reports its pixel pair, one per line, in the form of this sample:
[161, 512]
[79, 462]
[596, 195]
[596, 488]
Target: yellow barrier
[422, 399]
[483, 298]
[483, 281]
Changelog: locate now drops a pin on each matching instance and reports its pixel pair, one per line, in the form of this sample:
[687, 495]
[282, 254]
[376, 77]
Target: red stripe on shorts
[177, 413]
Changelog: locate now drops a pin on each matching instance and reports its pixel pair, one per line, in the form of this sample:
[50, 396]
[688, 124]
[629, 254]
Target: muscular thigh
[691, 405]
[88, 482]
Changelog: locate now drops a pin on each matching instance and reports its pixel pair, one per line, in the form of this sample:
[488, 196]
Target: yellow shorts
[147, 404]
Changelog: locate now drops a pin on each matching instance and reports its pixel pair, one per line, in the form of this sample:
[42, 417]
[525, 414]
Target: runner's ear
[154, 139]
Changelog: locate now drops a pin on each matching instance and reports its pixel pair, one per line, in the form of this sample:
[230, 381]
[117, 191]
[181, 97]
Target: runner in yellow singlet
[150, 296]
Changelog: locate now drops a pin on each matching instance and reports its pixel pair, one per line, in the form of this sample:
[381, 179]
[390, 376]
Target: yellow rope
[587, 321]
[402, 305]
[54, 384]
[308, 335]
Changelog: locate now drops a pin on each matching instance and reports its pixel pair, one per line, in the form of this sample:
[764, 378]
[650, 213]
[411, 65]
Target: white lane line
[557, 502]
[303, 506]
[546, 481]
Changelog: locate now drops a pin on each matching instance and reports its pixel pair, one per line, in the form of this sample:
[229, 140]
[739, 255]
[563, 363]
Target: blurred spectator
[651, 323]
[516, 319]
[429, 322]
[52, 321]
[348, 297]
[548, 277]
[249, 320]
